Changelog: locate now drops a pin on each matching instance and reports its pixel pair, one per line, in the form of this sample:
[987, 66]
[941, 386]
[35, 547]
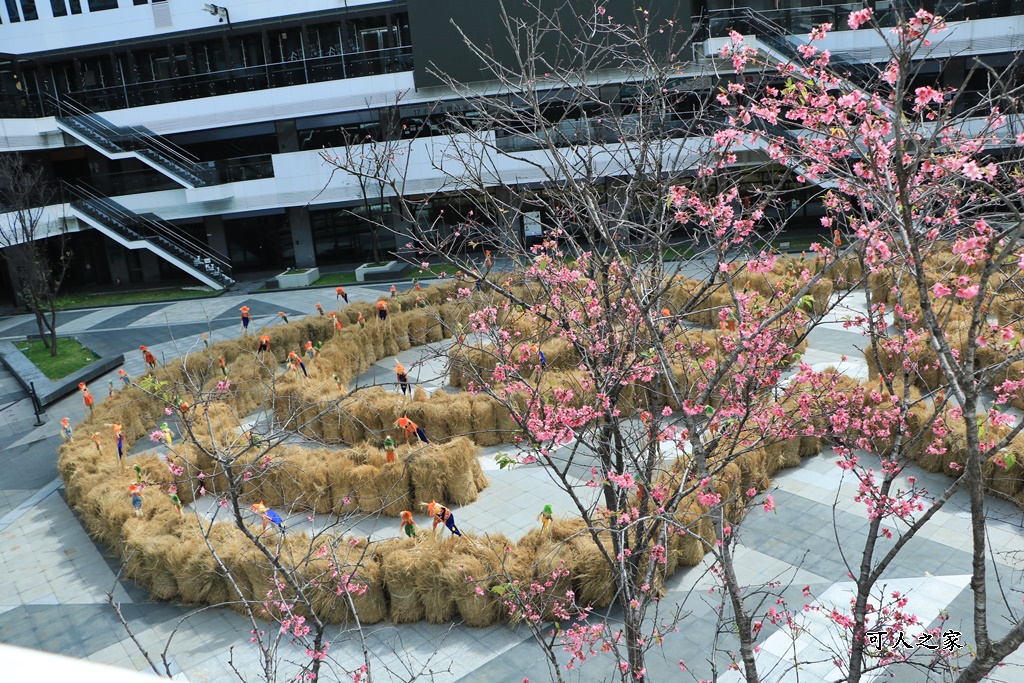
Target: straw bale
[457, 412]
[370, 604]
[395, 486]
[462, 471]
[846, 272]
[462, 574]
[200, 580]
[341, 484]
[401, 576]
[420, 323]
[592, 577]
[365, 482]
[881, 284]
[485, 425]
[781, 454]
[752, 469]
[696, 535]
[438, 602]
[1005, 481]
[428, 476]
[147, 560]
[105, 510]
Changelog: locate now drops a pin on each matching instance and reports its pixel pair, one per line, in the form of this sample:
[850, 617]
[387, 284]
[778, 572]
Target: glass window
[12, 11]
[28, 9]
[141, 2]
[76, 6]
[100, 5]
[60, 8]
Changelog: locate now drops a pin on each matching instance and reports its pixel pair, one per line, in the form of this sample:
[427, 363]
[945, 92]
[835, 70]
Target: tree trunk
[43, 333]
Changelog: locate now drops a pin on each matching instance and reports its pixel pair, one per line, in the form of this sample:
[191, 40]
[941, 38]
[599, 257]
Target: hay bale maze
[264, 430]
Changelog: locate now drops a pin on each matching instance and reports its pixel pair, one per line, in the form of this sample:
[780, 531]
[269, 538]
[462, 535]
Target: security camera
[220, 12]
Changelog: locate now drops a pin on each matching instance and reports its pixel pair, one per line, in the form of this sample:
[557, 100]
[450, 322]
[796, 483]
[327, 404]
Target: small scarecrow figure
[403, 379]
[168, 434]
[264, 345]
[254, 438]
[268, 515]
[411, 428]
[135, 491]
[487, 258]
[297, 363]
[245, 320]
[382, 310]
[96, 440]
[148, 356]
[337, 380]
[337, 323]
[442, 515]
[545, 517]
[65, 428]
[320, 309]
[206, 342]
[138, 474]
[540, 355]
[416, 285]
[125, 379]
[408, 524]
[389, 449]
[283, 317]
[223, 366]
[339, 293]
[420, 302]
[311, 351]
[362, 321]
[86, 396]
[182, 406]
[110, 388]
[460, 333]
[394, 292]
[119, 437]
[176, 502]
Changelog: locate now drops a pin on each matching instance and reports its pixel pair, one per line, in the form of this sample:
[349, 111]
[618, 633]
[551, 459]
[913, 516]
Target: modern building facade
[186, 137]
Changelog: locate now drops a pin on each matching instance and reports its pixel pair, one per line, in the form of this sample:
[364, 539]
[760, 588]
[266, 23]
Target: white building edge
[188, 136]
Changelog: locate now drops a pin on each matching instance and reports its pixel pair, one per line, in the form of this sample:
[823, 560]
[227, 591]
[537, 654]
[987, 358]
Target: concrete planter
[294, 278]
[48, 390]
[389, 271]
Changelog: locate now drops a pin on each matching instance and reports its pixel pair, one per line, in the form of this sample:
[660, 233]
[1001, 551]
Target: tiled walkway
[54, 579]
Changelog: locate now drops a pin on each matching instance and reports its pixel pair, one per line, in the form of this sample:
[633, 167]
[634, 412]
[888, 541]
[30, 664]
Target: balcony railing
[234, 170]
[298, 71]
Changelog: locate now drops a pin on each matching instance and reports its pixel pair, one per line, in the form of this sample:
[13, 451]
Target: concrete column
[510, 220]
[216, 238]
[287, 137]
[401, 232]
[117, 259]
[302, 236]
[150, 266]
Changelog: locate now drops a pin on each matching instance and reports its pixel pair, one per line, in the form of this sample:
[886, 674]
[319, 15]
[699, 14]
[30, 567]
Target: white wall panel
[129, 21]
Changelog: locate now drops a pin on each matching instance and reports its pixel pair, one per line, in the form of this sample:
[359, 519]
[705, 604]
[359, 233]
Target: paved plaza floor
[55, 579]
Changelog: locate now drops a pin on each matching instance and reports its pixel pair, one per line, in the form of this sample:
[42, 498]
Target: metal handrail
[161, 229]
[773, 35]
[143, 139]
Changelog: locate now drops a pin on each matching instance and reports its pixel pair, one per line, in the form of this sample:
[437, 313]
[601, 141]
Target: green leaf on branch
[504, 461]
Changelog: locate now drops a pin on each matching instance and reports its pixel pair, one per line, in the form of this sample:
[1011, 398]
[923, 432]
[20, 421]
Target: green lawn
[71, 356]
[87, 300]
[345, 277]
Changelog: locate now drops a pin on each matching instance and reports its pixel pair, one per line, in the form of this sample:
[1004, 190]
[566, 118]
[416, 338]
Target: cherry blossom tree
[673, 384]
[927, 191]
